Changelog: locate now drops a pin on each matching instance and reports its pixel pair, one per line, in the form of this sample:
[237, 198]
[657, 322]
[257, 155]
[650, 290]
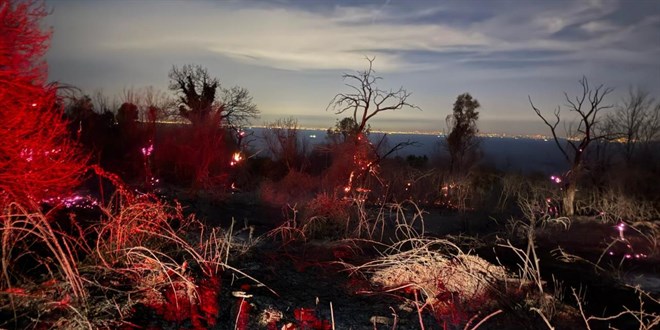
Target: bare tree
[130, 95]
[651, 129]
[102, 102]
[156, 105]
[367, 100]
[636, 121]
[284, 143]
[238, 107]
[587, 107]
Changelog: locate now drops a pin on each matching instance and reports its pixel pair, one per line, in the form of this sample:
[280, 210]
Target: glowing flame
[27, 154]
[620, 227]
[236, 158]
[362, 190]
[148, 150]
[73, 201]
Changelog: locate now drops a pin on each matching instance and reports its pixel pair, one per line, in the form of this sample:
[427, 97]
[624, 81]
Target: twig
[483, 320]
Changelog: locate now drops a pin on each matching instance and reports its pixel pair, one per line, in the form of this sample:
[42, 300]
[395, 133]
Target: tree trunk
[569, 199]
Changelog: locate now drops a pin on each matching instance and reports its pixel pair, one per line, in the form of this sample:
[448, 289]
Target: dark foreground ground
[307, 284]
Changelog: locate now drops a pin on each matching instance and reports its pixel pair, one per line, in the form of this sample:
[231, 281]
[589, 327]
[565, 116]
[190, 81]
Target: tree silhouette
[344, 130]
[636, 122]
[367, 100]
[462, 139]
[237, 107]
[127, 114]
[207, 144]
[198, 98]
[197, 93]
[587, 106]
[37, 158]
[285, 143]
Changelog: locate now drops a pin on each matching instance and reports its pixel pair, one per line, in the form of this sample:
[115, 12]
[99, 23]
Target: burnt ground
[311, 275]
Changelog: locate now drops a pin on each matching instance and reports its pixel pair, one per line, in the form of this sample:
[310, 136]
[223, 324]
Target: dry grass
[448, 281]
[21, 231]
[451, 284]
[467, 276]
[613, 206]
[140, 251]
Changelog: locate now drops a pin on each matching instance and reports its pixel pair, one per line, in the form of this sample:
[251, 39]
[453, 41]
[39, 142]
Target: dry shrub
[511, 186]
[614, 206]
[456, 193]
[342, 163]
[403, 182]
[31, 237]
[452, 284]
[145, 244]
[467, 276]
[140, 252]
[293, 188]
[37, 158]
[174, 293]
[325, 217]
[186, 154]
[145, 222]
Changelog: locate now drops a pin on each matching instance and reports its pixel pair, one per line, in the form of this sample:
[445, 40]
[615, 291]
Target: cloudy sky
[291, 54]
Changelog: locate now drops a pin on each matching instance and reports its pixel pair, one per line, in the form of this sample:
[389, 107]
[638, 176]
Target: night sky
[291, 54]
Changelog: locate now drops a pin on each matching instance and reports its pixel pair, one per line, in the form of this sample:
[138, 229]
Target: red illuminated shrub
[196, 156]
[326, 216]
[293, 188]
[37, 161]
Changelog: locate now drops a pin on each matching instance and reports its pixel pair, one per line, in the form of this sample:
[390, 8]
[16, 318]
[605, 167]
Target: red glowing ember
[307, 319]
[236, 158]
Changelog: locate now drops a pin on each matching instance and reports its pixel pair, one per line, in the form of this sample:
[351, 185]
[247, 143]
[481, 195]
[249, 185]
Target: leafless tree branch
[366, 100]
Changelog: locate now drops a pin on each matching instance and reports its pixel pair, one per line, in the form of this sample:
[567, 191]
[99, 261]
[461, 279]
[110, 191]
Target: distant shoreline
[437, 133]
[392, 132]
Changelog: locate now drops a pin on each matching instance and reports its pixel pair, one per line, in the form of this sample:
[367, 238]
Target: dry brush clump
[326, 216]
[31, 242]
[139, 253]
[323, 217]
[466, 192]
[294, 187]
[151, 247]
[613, 205]
[444, 281]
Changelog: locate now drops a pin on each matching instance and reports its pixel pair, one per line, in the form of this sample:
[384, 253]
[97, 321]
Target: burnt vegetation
[157, 209]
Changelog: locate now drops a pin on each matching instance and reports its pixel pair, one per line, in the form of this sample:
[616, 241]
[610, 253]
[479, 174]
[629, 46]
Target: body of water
[515, 154]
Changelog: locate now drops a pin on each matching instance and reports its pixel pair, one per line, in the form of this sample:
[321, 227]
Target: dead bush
[612, 206]
[326, 216]
[293, 188]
